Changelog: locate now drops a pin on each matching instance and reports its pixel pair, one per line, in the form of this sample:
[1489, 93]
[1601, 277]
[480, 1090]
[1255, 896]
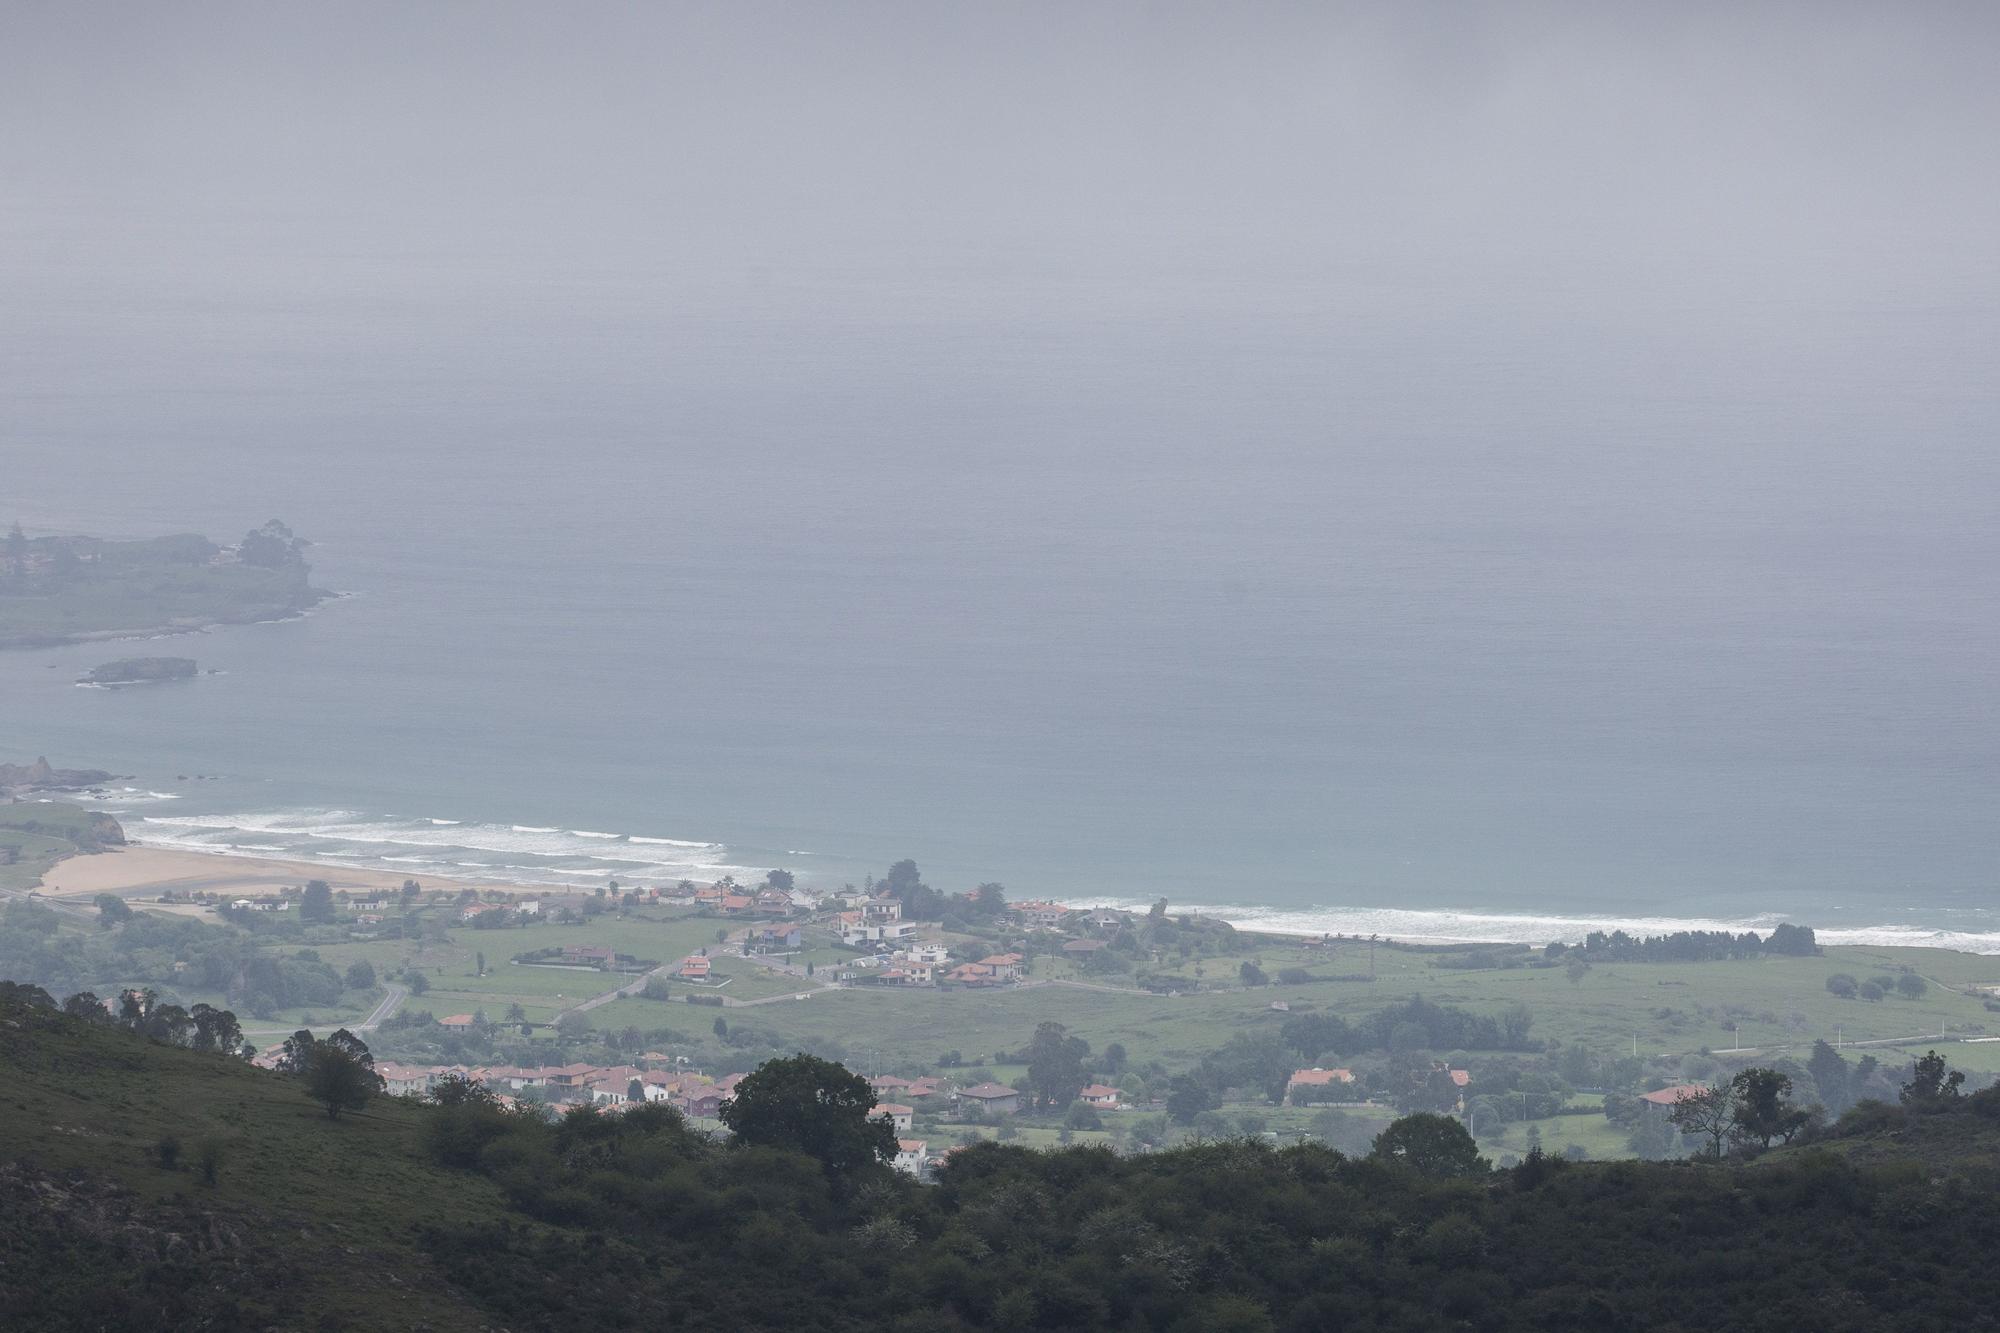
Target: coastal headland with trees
[71, 589]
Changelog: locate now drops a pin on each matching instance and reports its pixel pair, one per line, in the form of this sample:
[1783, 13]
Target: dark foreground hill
[407, 1217]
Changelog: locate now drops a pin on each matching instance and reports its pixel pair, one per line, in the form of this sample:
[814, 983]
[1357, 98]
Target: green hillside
[406, 1217]
[34, 835]
[309, 1223]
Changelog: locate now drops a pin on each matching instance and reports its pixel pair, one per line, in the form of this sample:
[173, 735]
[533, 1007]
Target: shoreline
[139, 867]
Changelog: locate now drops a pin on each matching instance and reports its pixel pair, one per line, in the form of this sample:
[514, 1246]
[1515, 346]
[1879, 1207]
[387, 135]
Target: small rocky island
[139, 671]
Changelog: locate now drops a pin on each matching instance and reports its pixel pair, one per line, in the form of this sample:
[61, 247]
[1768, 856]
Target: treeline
[633, 1221]
[1688, 946]
[1414, 1024]
[170, 952]
[200, 1028]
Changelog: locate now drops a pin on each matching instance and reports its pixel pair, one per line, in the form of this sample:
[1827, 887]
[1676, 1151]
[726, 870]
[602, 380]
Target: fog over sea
[1333, 527]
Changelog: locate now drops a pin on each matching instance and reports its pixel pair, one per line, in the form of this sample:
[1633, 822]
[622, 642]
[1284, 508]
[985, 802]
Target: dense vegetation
[146, 948]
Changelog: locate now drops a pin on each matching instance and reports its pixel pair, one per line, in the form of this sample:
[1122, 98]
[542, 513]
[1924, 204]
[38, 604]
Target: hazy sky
[1391, 445]
[1686, 145]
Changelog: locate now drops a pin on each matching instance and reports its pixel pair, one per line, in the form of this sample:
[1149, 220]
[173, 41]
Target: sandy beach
[141, 872]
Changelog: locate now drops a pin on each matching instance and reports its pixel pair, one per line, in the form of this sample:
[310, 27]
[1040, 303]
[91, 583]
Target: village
[852, 940]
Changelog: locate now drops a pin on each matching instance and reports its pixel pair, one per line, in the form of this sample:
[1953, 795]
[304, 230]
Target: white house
[899, 1115]
[1100, 1096]
[910, 1156]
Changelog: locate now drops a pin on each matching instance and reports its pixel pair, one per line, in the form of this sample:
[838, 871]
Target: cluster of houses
[1334, 1087]
[656, 1078]
[611, 1087]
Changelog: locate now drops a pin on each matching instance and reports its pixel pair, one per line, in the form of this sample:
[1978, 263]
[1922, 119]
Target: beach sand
[141, 872]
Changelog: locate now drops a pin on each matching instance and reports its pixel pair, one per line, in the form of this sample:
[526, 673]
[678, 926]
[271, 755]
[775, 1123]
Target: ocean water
[1487, 598]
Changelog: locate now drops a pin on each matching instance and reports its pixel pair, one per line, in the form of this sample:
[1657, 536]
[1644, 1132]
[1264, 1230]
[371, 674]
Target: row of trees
[1906, 984]
[1756, 1106]
[168, 950]
[1415, 1024]
[1688, 946]
[795, 1222]
[200, 1028]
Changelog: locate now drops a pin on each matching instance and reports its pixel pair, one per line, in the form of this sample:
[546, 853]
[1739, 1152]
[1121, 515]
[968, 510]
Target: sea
[1477, 597]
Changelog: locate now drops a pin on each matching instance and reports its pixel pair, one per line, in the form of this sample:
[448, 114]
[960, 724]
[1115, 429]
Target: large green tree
[1933, 1085]
[1762, 1109]
[317, 902]
[813, 1106]
[340, 1073]
[1055, 1065]
[1434, 1145]
[1708, 1113]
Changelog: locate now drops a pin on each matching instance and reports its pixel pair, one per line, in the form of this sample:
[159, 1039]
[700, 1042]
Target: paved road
[632, 987]
[390, 1003]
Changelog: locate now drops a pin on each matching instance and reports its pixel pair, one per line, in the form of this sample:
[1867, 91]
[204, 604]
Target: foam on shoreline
[1444, 926]
[552, 856]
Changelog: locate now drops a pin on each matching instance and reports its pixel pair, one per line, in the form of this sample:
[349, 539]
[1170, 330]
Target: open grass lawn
[1592, 1133]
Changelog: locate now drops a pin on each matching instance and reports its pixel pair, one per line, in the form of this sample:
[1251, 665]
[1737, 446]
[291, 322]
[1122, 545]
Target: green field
[1657, 1009]
[59, 830]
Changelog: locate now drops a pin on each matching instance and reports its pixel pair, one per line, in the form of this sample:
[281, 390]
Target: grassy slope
[334, 1202]
[39, 850]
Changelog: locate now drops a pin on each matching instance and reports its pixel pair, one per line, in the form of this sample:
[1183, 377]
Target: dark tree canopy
[1432, 1145]
[1762, 1108]
[1933, 1084]
[1055, 1065]
[812, 1106]
[317, 902]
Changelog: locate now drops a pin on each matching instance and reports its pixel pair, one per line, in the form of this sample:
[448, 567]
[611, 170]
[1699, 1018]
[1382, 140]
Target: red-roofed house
[899, 1115]
[1671, 1097]
[1318, 1085]
[457, 1022]
[1099, 1095]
